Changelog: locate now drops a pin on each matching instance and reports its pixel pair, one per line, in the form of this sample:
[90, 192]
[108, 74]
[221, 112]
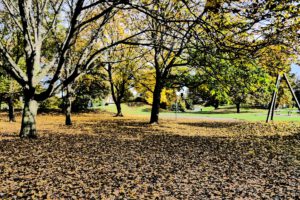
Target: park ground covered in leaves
[102, 157]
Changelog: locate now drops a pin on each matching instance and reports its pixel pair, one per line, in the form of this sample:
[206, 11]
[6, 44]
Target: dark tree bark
[117, 93]
[119, 109]
[216, 104]
[238, 107]
[29, 20]
[10, 102]
[68, 121]
[68, 107]
[11, 109]
[28, 126]
[156, 103]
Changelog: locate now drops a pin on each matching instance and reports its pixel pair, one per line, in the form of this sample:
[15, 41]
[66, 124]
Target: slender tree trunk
[116, 94]
[68, 107]
[11, 114]
[0, 103]
[11, 110]
[238, 107]
[28, 127]
[156, 103]
[68, 112]
[216, 104]
[119, 109]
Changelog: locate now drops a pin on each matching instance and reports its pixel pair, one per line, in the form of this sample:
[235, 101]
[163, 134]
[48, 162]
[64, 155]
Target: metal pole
[274, 106]
[271, 107]
[292, 91]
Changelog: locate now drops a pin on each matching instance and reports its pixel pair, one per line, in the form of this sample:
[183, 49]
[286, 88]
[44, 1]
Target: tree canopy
[235, 46]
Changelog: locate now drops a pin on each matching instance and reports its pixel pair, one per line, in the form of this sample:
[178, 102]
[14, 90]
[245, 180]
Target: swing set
[274, 97]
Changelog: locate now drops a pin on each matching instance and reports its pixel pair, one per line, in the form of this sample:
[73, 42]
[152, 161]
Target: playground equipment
[274, 97]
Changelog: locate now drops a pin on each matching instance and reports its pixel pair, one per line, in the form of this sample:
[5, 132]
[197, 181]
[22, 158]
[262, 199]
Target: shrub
[51, 104]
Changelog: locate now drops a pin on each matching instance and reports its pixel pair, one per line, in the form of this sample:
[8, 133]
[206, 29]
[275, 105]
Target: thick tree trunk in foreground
[11, 110]
[119, 109]
[28, 127]
[238, 107]
[155, 104]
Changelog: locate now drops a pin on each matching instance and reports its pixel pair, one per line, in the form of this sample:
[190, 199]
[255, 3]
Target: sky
[296, 70]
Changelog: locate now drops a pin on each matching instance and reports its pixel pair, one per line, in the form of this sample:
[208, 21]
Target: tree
[228, 77]
[39, 23]
[9, 91]
[120, 78]
[89, 87]
[47, 32]
[224, 25]
[232, 30]
[277, 59]
[9, 88]
[145, 82]
[168, 40]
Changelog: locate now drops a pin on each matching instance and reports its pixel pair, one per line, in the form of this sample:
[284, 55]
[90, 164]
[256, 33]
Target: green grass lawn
[224, 112]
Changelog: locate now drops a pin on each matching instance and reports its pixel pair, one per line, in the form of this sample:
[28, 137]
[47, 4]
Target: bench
[290, 112]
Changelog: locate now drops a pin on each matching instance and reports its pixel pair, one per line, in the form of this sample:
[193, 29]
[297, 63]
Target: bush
[163, 105]
[80, 104]
[140, 99]
[51, 104]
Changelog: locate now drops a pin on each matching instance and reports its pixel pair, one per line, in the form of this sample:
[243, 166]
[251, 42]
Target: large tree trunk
[238, 107]
[156, 103]
[11, 109]
[68, 107]
[28, 128]
[119, 109]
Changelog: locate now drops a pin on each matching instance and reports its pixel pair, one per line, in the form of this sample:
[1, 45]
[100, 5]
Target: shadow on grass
[220, 112]
[148, 110]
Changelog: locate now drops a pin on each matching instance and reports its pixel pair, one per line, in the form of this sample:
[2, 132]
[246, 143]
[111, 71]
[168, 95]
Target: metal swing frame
[274, 97]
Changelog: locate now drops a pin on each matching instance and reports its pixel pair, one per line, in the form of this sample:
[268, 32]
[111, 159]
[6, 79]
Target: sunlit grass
[226, 112]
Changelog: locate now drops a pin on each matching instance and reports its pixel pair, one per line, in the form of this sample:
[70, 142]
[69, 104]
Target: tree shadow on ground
[214, 124]
[9, 135]
[220, 112]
